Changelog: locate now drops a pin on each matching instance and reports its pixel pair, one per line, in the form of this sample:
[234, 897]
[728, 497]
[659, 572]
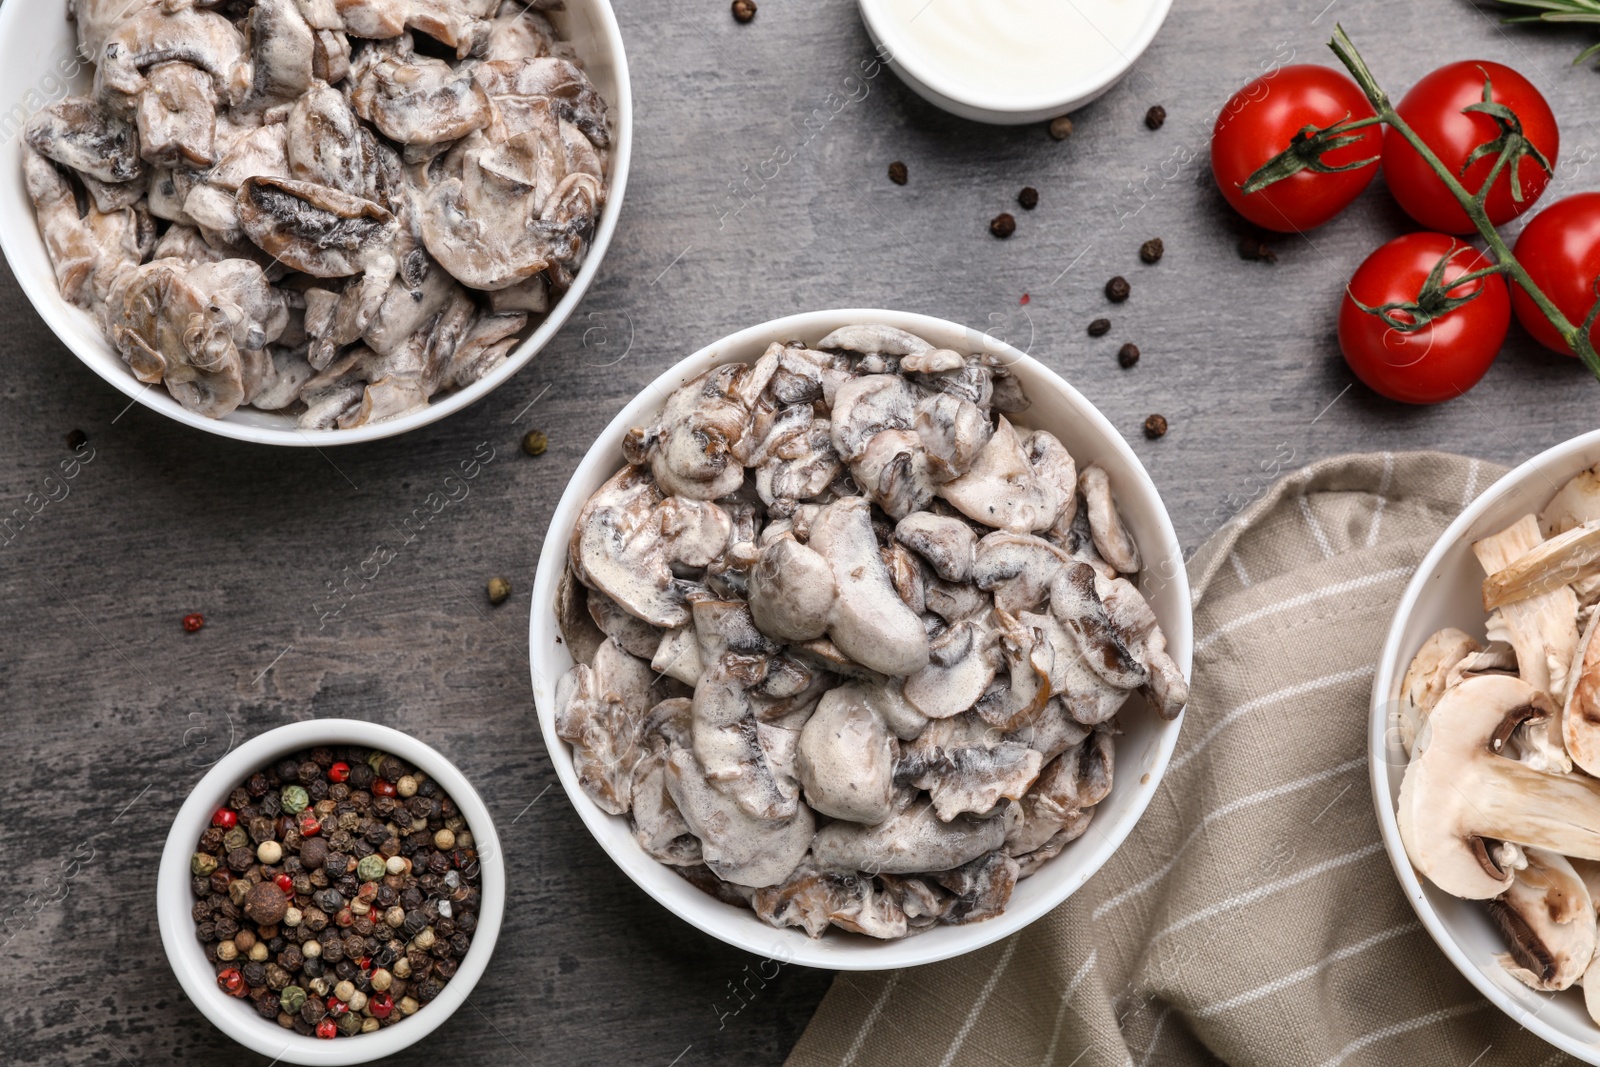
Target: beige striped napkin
[1252, 918]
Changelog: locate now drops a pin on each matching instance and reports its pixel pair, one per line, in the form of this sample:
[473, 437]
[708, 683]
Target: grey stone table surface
[110, 711]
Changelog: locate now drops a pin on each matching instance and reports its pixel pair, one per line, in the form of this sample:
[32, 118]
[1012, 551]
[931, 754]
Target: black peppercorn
[271, 805]
[206, 931]
[267, 1006]
[1155, 426]
[1099, 327]
[314, 967]
[1028, 198]
[1152, 250]
[255, 973]
[1003, 225]
[360, 778]
[1127, 355]
[467, 923]
[332, 951]
[897, 172]
[76, 439]
[1117, 289]
[744, 10]
[1156, 117]
[1255, 249]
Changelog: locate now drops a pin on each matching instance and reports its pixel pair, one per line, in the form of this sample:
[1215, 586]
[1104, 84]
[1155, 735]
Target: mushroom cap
[1548, 919]
[1574, 504]
[1002, 490]
[1427, 678]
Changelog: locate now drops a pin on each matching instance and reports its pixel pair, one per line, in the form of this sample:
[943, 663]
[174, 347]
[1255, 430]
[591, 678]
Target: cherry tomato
[1433, 109]
[1447, 355]
[1259, 121]
[1560, 250]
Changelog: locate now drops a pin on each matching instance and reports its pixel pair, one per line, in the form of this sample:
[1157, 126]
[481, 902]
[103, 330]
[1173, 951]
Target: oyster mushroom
[737, 846]
[628, 537]
[967, 767]
[911, 841]
[72, 248]
[415, 99]
[89, 138]
[1111, 537]
[1002, 490]
[947, 543]
[1427, 678]
[1542, 629]
[599, 710]
[869, 622]
[1460, 794]
[1548, 920]
[846, 758]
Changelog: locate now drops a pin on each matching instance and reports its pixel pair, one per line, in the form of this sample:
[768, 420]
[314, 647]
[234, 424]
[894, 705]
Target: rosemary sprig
[1560, 11]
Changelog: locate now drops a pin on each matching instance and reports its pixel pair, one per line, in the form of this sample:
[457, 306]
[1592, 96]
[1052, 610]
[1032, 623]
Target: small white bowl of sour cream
[1011, 62]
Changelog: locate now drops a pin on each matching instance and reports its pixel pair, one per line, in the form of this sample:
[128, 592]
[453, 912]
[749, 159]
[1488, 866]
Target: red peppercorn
[345, 917]
[285, 883]
[226, 818]
[192, 623]
[232, 982]
[380, 1005]
[309, 825]
[339, 772]
[337, 1007]
[383, 788]
[327, 1029]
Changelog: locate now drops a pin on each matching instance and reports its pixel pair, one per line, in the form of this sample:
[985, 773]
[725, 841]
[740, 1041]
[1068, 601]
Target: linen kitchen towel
[1252, 918]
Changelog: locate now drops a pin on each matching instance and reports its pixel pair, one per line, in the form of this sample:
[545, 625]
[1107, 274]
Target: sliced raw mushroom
[1580, 718]
[627, 539]
[869, 622]
[1460, 795]
[946, 542]
[1111, 537]
[846, 758]
[912, 841]
[599, 710]
[1549, 565]
[416, 99]
[1427, 678]
[1548, 920]
[967, 767]
[89, 138]
[1002, 490]
[982, 888]
[1542, 629]
[738, 847]
[1575, 503]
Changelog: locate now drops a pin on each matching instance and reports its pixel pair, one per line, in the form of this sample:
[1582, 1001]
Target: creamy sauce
[1016, 49]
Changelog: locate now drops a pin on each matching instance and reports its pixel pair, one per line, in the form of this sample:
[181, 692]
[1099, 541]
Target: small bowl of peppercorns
[330, 892]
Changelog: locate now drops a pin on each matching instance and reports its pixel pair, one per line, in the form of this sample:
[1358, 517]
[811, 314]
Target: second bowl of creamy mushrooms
[304, 222]
[860, 639]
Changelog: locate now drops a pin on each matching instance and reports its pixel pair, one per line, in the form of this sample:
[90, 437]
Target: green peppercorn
[295, 798]
[293, 998]
[203, 864]
[499, 590]
[535, 442]
[371, 868]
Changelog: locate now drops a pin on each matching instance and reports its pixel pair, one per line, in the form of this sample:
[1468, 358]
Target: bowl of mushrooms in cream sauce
[860, 639]
[1484, 739]
[302, 222]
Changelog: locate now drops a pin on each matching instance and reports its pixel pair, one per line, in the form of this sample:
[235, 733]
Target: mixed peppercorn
[337, 891]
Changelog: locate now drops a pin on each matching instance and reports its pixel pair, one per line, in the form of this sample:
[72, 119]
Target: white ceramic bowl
[1445, 591]
[38, 46]
[932, 80]
[237, 1018]
[1142, 751]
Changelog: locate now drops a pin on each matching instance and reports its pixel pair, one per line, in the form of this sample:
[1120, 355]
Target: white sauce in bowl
[1012, 49]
